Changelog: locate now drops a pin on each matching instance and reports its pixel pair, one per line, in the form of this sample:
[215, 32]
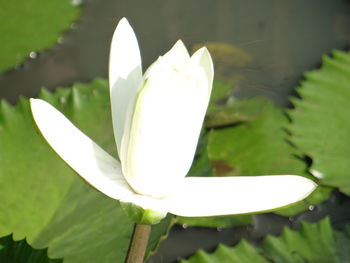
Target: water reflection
[283, 39]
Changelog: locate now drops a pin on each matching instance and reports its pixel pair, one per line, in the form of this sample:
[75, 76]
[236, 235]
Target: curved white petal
[88, 159]
[165, 128]
[202, 59]
[176, 57]
[178, 54]
[125, 79]
[211, 196]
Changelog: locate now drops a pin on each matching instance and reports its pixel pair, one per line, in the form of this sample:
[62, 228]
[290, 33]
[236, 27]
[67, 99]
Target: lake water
[261, 47]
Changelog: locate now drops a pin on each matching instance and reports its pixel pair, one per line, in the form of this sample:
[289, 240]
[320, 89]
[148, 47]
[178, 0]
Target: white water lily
[157, 119]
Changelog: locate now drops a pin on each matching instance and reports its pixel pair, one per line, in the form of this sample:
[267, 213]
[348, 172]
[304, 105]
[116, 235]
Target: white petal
[202, 59]
[88, 159]
[176, 57]
[211, 196]
[178, 54]
[165, 128]
[125, 79]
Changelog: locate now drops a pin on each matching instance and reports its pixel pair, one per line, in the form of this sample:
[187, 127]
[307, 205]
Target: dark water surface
[262, 47]
[268, 43]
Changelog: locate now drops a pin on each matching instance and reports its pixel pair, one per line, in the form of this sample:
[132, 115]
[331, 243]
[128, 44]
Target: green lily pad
[21, 252]
[32, 25]
[234, 111]
[44, 201]
[320, 121]
[313, 243]
[225, 110]
[259, 147]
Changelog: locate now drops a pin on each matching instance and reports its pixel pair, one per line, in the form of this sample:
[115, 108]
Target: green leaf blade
[21, 252]
[312, 243]
[31, 26]
[44, 200]
[320, 121]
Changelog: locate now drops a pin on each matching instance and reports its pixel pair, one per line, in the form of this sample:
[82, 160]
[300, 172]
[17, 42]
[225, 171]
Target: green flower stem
[138, 243]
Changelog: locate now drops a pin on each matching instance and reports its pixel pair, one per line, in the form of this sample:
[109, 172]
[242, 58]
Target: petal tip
[179, 43]
[203, 55]
[123, 20]
[36, 105]
[179, 49]
[303, 185]
[123, 31]
[33, 101]
[123, 23]
[310, 185]
[124, 52]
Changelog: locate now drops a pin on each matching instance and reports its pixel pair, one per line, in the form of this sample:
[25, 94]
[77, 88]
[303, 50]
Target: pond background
[271, 43]
[282, 39]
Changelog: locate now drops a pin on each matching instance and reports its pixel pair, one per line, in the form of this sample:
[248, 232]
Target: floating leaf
[258, 147]
[21, 252]
[234, 111]
[313, 243]
[44, 201]
[320, 121]
[224, 109]
[32, 25]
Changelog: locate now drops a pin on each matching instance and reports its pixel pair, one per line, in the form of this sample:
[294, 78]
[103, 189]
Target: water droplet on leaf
[311, 207]
[33, 55]
[77, 2]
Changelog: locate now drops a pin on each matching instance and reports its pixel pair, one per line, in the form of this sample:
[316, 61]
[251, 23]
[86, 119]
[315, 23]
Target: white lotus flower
[157, 120]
